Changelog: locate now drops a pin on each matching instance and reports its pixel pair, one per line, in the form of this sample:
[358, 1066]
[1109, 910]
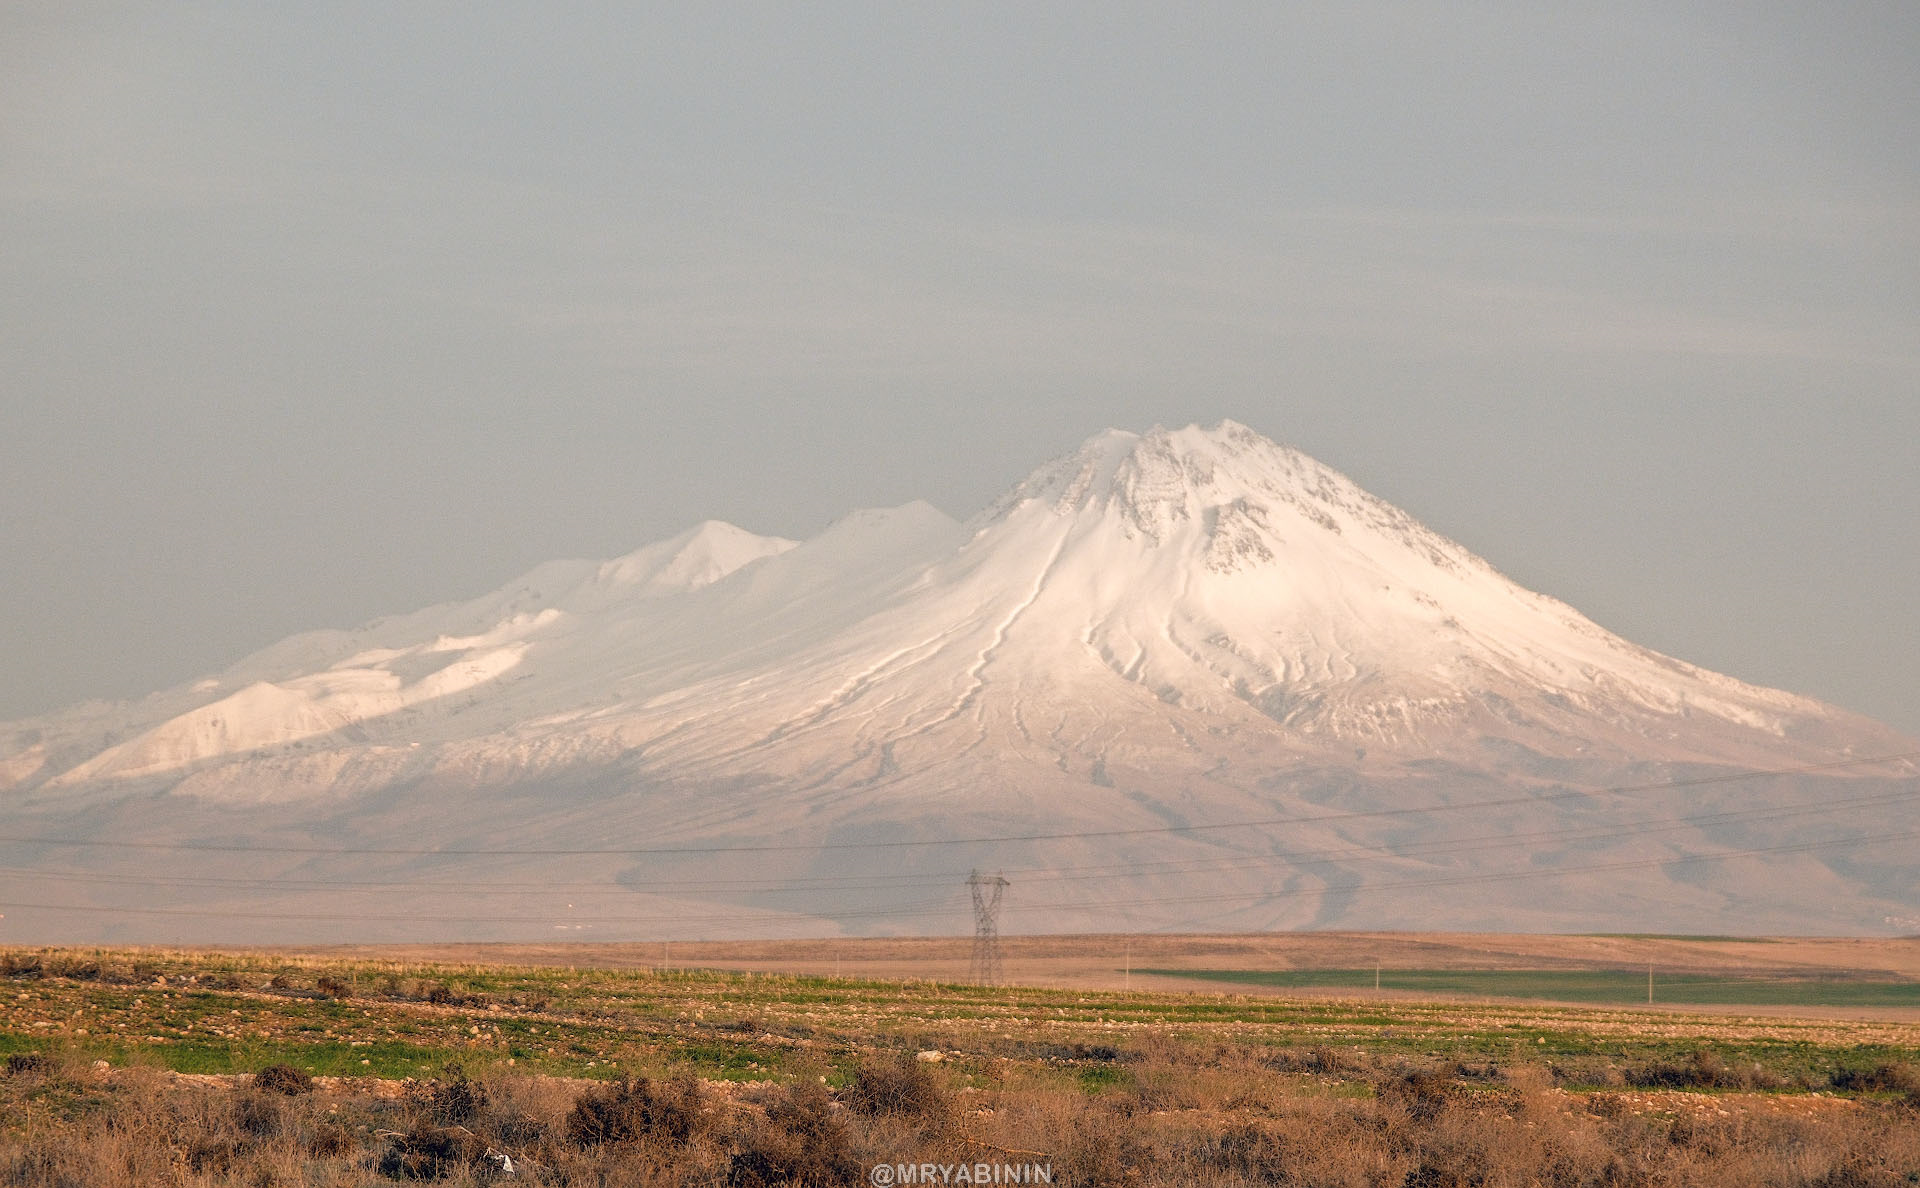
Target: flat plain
[1113, 1074]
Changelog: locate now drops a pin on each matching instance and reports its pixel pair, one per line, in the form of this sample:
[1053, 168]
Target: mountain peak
[1160, 479]
[700, 556]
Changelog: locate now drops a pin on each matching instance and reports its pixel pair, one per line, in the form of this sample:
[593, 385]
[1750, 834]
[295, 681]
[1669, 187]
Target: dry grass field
[756, 1064]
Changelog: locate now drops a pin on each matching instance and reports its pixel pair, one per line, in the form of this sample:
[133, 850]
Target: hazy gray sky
[312, 313]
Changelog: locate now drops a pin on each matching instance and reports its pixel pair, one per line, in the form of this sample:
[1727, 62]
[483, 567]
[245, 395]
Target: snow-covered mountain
[1151, 637]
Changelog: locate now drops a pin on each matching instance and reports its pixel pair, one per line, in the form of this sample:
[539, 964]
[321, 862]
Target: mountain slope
[1154, 632]
[1211, 580]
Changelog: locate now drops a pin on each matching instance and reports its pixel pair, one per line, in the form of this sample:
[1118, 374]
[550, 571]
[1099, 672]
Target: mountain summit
[1148, 638]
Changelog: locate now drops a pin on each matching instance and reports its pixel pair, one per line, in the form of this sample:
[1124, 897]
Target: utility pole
[985, 968]
[1376, 975]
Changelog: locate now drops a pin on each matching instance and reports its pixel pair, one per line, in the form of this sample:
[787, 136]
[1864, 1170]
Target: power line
[812, 847]
[984, 970]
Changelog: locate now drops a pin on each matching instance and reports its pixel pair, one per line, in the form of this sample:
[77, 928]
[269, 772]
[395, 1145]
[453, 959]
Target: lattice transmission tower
[987, 889]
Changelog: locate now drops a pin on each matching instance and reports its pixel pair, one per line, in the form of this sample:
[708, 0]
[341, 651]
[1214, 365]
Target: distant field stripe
[1623, 987]
[1714, 937]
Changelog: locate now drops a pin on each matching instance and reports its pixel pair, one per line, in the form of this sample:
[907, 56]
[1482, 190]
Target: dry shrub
[26, 966]
[282, 1078]
[1087, 1141]
[1703, 1070]
[1319, 1061]
[1451, 1140]
[525, 1111]
[1884, 1153]
[328, 986]
[106, 1161]
[36, 1064]
[215, 1155]
[1263, 1154]
[55, 1161]
[442, 994]
[1158, 1085]
[328, 1140]
[258, 1115]
[119, 975]
[80, 969]
[1434, 1172]
[1881, 1078]
[635, 1109]
[1531, 1079]
[1422, 1094]
[1319, 1141]
[1714, 1137]
[801, 1142]
[428, 1152]
[1099, 1146]
[900, 1086]
[1097, 1053]
[1607, 1105]
[123, 1134]
[457, 1098]
[1051, 1051]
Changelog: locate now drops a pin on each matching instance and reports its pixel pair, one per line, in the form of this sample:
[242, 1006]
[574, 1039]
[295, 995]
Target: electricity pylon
[985, 970]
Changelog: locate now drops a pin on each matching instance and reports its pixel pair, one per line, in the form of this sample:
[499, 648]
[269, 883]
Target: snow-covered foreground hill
[1187, 679]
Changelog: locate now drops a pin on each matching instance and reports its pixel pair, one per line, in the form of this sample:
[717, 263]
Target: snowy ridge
[697, 557]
